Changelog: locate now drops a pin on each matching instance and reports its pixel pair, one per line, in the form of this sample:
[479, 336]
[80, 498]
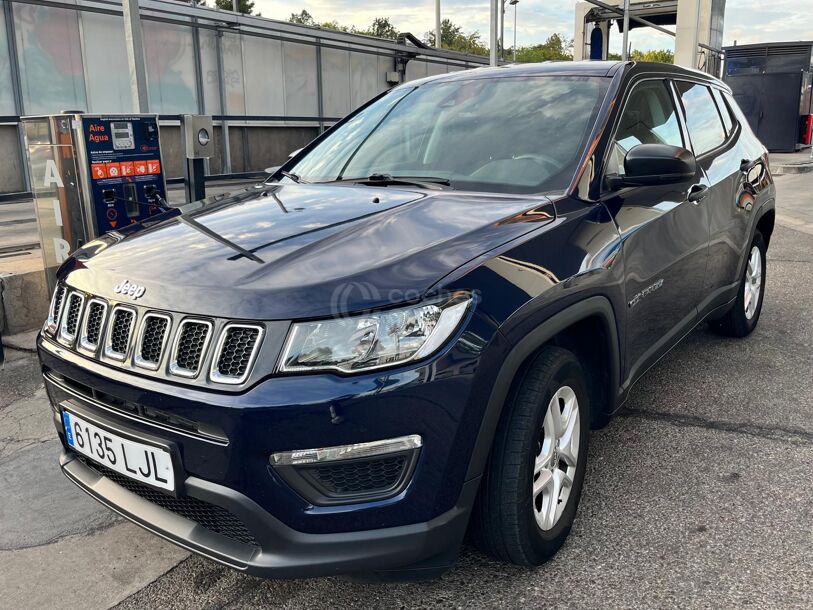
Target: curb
[793, 168]
[23, 301]
[17, 345]
[22, 342]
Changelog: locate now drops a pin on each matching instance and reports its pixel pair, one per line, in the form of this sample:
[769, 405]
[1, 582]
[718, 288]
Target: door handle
[697, 193]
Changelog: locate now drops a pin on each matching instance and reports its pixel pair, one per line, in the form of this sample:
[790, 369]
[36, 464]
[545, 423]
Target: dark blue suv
[409, 329]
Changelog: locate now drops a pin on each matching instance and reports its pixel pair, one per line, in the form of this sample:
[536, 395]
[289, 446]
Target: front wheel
[742, 318]
[533, 481]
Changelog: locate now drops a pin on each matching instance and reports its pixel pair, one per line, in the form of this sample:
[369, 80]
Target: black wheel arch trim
[592, 306]
[767, 207]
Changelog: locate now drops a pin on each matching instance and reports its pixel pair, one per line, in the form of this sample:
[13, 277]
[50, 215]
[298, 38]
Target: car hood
[278, 252]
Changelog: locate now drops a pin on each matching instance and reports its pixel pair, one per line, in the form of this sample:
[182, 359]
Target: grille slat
[74, 309]
[72, 315]
[94, 320]
[236, 352]
[154, 333]
[189, 349]
[59, 295]
[94, 323]
[121, 327]
[210, 516]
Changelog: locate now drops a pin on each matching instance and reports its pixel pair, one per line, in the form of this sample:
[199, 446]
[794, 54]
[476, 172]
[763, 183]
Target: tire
[740, 320]
[505, 522]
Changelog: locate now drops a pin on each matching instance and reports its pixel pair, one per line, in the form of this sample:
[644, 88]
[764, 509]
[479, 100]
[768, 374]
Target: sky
[746, 21]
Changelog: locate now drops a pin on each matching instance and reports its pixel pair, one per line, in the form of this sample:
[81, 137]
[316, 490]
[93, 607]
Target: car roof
[673, 71]
[571, 68]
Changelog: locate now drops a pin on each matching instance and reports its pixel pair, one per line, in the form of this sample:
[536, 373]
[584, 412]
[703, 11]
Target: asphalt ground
[698, 495]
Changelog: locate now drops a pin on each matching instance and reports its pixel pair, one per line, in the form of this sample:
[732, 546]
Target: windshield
[507, 134]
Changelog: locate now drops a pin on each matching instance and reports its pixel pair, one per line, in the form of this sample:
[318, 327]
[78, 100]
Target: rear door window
[702, 119]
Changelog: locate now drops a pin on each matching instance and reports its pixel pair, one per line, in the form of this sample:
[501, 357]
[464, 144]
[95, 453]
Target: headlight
[375, 340]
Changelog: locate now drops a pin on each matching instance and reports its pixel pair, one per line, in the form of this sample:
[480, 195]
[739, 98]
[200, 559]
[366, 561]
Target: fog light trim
[300, 457]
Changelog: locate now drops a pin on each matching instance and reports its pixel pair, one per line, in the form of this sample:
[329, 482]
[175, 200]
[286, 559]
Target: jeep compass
[407, 331]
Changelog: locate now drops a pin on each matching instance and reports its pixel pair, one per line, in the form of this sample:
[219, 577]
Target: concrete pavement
[57, 544]
[795, 196]
[698, 495]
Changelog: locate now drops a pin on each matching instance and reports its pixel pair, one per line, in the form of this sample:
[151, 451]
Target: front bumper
[282, 552]
[225, 463]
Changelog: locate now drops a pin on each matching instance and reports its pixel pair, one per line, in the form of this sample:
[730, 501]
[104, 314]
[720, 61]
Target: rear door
[717, 142]
[664, 236]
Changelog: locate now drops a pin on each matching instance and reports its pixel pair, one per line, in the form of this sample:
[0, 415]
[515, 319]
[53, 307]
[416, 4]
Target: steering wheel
[542, 159]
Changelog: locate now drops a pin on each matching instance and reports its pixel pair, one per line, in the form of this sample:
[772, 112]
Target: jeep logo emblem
[129, 290]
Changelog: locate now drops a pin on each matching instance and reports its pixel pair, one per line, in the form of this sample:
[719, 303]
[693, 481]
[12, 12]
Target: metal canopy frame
[627, 15]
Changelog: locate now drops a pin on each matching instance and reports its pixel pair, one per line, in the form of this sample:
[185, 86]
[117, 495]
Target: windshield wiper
[427, 182]
[293, 176]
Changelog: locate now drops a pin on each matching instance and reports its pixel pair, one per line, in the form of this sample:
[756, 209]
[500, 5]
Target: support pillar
[134, 41]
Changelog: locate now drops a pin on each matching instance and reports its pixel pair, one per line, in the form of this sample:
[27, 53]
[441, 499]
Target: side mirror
[654, 164]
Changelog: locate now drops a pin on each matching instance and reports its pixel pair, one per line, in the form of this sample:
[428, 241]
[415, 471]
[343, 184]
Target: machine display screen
[122, 135]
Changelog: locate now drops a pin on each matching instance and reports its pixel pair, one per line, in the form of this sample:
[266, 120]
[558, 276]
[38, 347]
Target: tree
[664, 56]
[381, 27]
[244, 6]
[338, 27]
[305, 18]
[453, 38]
[302, 18]
[555, 48]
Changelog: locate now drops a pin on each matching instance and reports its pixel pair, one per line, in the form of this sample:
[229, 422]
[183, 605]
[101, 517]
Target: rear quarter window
[725, 111]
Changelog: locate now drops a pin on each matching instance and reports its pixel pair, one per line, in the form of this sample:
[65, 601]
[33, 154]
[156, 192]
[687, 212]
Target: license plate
[144, 463]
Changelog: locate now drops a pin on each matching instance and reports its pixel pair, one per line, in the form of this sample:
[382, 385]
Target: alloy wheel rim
[556, 458]
[753, 282]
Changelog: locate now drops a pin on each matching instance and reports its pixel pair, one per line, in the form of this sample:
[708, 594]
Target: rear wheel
[742, 318]
[533, 481]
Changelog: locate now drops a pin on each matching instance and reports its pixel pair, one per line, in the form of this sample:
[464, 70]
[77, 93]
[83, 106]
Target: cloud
[747, 21]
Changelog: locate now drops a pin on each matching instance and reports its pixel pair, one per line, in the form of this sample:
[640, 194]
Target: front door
[664, 236]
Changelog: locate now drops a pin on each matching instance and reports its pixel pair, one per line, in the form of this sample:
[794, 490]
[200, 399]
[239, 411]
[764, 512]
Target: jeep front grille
[159, 343]
[121, 329]
[235, 353]
[193, 338]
